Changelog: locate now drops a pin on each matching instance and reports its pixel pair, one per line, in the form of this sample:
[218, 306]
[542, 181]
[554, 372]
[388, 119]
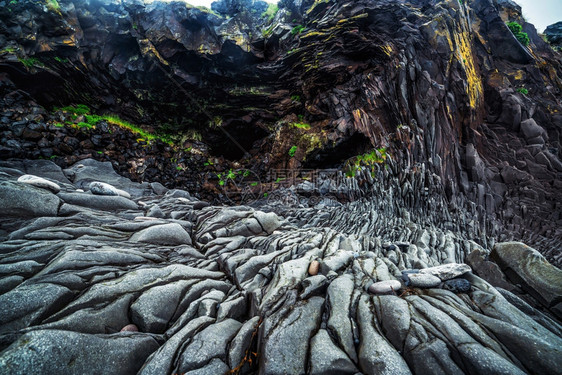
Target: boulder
[165, 234]
[525, 266]
[25, 200]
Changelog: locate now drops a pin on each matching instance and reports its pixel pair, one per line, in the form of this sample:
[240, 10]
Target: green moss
[267, 32]
[8, 50]
[296, 98]
[53, 5]
[516, 29]
[84, 125]
[293, 151]
[368, 160]
[31, 62]
[91, 120]
[300, 125]
[60, 60]
[79, 109]
[297, 30]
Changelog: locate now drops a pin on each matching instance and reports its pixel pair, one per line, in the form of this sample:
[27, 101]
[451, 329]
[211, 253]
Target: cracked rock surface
[219, 289]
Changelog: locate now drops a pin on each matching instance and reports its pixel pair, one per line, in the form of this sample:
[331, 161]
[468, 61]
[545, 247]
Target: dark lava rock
[457, 285]
[554, 34]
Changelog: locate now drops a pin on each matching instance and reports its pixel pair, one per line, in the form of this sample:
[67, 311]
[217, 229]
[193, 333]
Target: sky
[541, 13]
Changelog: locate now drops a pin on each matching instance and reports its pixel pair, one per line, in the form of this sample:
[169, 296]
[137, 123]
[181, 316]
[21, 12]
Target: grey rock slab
[394, 314]
[165, 234]
[212, 342]
[136, 281]
[336, 262]
[476, 358]
[65, 352]
[528, 267]
[214, 367]
[8, 283]
[339, 322]
[269, 221]
[376, 355]
[234, 309]
[155, 211]
[100, 318]
[155, 308]
[314, 286]
[327, 358]
[288, 274]
[98, 202]
[23, 200]
[161, 361]
[46, 169]
[447, 271]
[39, 182]
[242, 341]
[294, 332]
[27, 304]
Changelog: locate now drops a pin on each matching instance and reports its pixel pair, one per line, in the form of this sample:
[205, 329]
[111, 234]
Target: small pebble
[385, 287]
[130, 328]
[313, 268]
[457, 285]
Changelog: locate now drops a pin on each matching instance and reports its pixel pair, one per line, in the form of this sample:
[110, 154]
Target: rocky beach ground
[128, 277]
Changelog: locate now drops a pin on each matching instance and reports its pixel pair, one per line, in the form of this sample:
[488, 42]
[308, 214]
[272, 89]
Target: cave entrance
[246, 134]
[333, 157]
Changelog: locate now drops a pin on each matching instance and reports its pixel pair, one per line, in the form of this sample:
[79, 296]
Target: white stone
[101, 188]
[39, 182]
[447, 271]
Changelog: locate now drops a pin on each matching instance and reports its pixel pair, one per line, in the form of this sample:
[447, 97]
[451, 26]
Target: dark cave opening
[334, 156]
[234, 140]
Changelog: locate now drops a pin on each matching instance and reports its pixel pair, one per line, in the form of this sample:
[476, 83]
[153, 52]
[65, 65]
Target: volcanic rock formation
[391, 168]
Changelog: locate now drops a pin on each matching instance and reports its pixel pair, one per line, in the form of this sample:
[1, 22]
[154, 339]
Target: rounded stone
[313, 268]
[130, 328]
[457, 285]
[423, 280]
[101, 188]
[385, 287]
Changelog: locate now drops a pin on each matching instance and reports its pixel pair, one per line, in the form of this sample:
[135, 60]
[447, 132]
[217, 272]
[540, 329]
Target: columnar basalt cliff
[434, 131]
